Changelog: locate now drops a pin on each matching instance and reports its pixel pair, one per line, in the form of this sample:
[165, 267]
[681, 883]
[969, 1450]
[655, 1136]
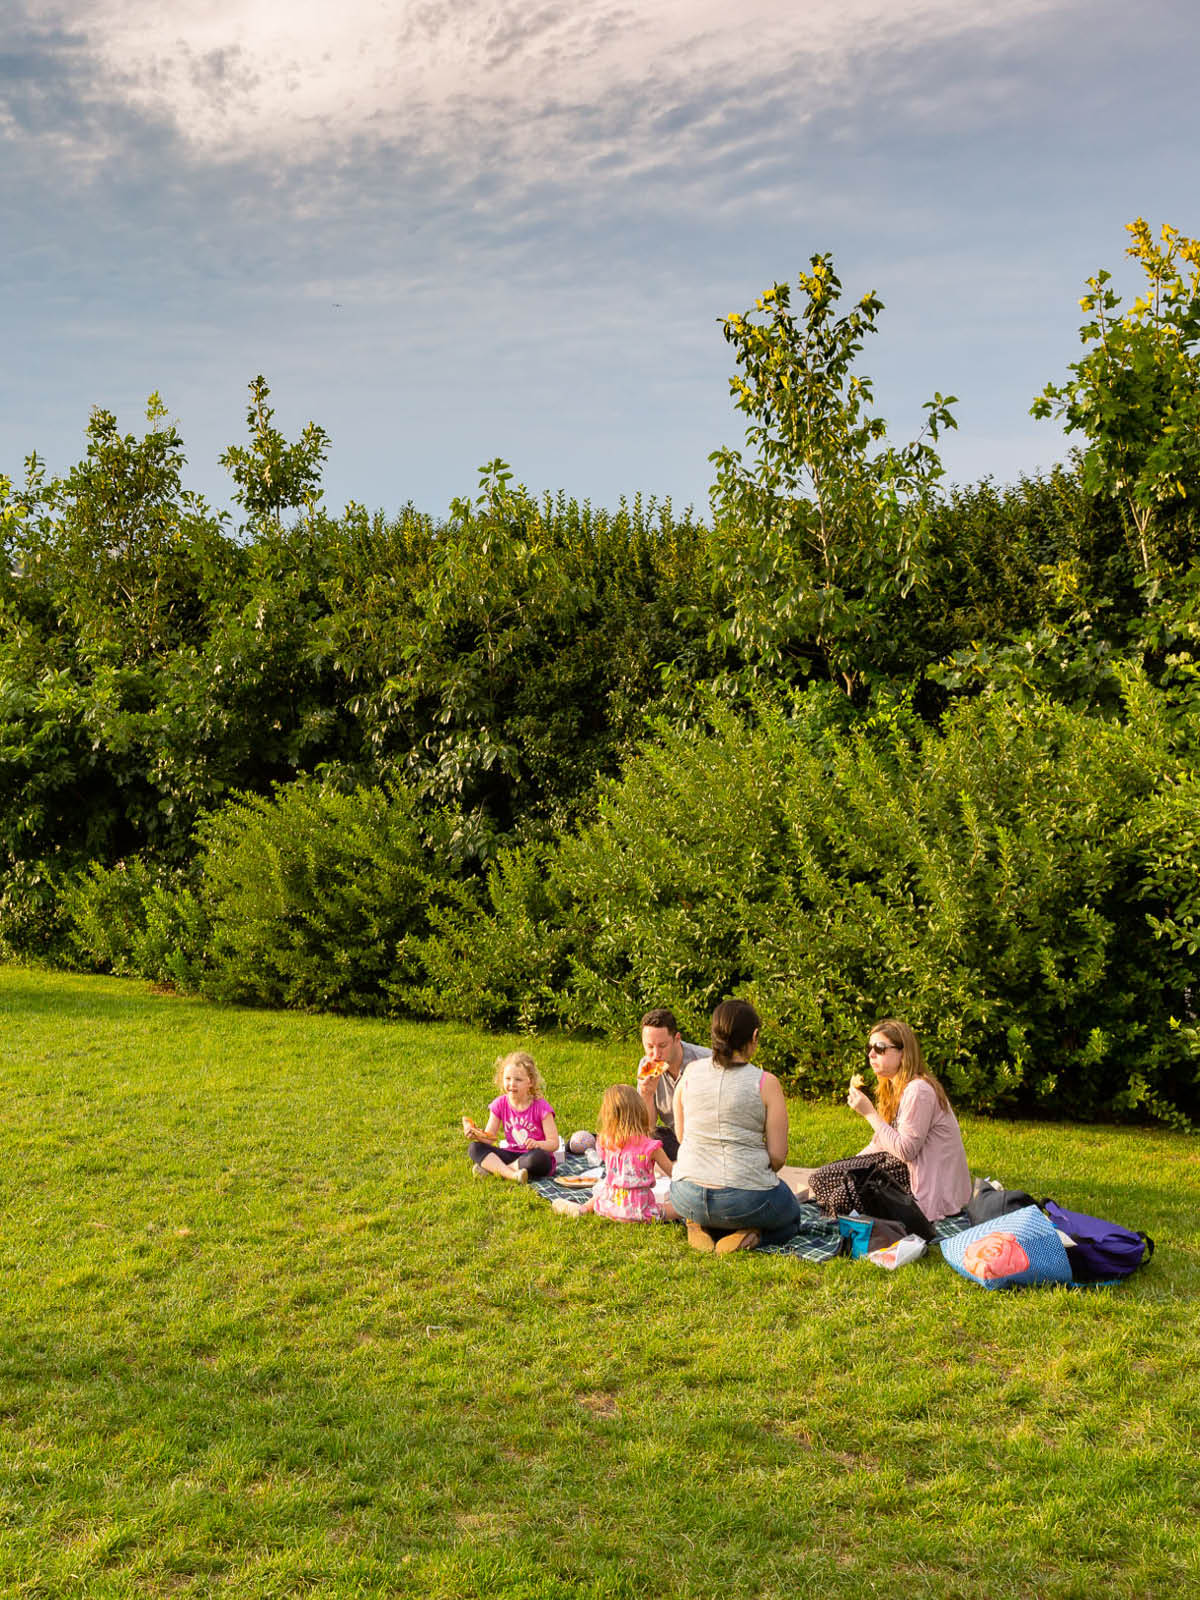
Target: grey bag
[990, 1203]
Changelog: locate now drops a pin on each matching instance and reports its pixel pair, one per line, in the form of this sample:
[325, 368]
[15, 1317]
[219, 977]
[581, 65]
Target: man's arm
[647, 1085]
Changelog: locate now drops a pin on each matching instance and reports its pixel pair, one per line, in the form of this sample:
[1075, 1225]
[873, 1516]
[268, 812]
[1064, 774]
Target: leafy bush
[506, 964]
[993, 883]
[978, 885]
[31, 921]
[170, 944]
[318, 899]
[54, 811]
[663, 883]
[104, 910]
[137, 919]
[151, 665]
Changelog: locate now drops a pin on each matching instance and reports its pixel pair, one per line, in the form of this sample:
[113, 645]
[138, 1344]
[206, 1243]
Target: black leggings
[537, 1163]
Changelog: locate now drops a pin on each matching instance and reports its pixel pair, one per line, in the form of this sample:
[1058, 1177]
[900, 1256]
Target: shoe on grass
[478, 1171]
[700, 1239]
[743, 1239]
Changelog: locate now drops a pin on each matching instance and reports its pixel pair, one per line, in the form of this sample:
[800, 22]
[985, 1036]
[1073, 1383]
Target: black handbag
[882, 1196]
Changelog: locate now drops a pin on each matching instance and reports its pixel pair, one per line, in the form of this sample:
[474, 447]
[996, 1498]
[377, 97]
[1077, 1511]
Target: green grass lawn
[263, 1335]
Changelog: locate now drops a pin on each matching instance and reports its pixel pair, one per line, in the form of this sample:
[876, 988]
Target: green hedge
[137, 919]
[1020, 885]
[317, 899]
[1008, 883]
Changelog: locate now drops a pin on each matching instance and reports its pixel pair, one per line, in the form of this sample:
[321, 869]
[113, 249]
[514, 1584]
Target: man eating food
[665, 1056]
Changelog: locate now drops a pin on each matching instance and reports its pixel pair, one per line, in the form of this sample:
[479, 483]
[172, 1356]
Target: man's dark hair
[660, 1017]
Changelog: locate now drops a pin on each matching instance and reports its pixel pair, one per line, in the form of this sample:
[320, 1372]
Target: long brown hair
[624, 1117]
[912, 1065]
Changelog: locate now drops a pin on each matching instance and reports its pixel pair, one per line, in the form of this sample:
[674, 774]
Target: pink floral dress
[626, 1191]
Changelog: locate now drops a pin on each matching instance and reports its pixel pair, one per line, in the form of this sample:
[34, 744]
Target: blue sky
[450, 231]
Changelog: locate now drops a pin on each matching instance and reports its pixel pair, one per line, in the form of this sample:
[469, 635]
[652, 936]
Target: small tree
[272, 475]
[1136, 394]
[825, 528]
[118, 547]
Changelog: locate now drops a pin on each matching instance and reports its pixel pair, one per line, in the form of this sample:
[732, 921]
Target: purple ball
[581, 1141]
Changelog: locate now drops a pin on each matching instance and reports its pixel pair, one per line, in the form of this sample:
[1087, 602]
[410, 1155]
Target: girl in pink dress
[631, 1157]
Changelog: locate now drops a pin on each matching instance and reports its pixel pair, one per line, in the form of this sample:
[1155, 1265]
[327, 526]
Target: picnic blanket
[818, 1239]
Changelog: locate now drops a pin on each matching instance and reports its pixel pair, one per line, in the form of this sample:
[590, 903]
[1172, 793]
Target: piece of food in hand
[857, 1081]
[651, 1069]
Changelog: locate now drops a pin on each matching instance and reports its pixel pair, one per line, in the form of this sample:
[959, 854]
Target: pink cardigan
[927, 1140]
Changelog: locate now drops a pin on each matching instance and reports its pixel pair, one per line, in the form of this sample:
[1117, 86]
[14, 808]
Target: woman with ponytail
[732, 1123]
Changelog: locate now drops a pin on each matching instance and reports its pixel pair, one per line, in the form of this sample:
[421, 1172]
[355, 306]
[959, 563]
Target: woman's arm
[775, 1133]
[678, 1110]
[918, 1106]
[864, 1105]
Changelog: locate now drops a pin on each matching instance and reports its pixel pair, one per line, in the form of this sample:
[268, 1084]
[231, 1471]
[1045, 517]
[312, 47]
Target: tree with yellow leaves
[1135, 395]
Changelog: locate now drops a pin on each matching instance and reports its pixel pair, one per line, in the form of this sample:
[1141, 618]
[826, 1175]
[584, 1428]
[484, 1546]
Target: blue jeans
[774, 1212]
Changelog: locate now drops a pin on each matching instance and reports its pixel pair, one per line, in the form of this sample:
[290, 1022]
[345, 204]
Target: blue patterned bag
[1020, 1248]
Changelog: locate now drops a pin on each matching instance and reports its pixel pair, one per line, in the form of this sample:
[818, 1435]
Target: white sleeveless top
[724, 1126]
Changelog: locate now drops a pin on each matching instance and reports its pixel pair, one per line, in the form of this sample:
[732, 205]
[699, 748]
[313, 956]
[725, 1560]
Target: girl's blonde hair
[624, 1117]
[912, 1065]
[522, 1059]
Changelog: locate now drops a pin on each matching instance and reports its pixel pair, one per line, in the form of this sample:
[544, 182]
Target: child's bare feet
[566, 1208]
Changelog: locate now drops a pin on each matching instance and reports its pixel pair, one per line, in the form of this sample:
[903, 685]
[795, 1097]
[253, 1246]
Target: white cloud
[571, 84]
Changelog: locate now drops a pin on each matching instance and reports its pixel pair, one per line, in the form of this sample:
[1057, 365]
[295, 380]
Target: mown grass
[262, 1335]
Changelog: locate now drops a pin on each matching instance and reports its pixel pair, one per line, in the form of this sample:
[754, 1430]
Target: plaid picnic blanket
[817, 1240]
[569, 1166]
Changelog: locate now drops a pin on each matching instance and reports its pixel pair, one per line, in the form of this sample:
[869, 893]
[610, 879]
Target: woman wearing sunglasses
[915, 1135]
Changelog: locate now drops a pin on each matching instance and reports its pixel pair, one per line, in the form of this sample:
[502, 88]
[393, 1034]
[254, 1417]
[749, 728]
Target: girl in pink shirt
[521, 1135]
[631, 1160]
[912, 1120]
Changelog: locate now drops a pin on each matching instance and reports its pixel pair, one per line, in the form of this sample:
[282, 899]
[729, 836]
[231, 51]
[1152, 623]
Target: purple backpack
[1102, 1250]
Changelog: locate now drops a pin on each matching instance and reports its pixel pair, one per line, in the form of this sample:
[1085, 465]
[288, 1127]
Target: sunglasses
[881, 1049]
